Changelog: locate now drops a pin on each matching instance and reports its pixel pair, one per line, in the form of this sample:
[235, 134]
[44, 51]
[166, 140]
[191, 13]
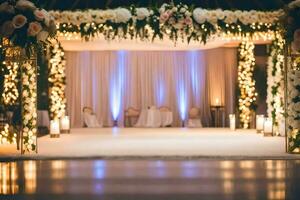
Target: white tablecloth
[166, 118]
[194, 123]
[153, 118]
[43, 119]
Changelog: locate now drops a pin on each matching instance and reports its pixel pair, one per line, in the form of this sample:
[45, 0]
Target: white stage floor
[162, 142]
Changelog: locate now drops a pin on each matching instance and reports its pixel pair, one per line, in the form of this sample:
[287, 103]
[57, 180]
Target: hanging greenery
[275, 82]
[246, 83]
[173, 21]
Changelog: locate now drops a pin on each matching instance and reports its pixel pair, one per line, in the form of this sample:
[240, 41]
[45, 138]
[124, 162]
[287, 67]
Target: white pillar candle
[65, 124]
[268, 127]
[232, 122]
[54, 128]
[217, 102]
[260, 119]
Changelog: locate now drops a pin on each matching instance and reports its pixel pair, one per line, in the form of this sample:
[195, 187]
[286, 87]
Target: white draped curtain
[112, 81]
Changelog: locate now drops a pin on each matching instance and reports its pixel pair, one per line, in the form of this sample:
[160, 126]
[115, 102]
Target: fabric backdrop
[112, 81]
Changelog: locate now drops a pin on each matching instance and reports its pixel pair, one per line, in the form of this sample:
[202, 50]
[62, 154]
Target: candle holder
[232, 123]
[65, 125]
[54, 129]
[268, 127]
[217, 113]
[260, 120]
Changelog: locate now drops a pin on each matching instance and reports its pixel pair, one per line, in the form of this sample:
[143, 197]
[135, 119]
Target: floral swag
[175, 21]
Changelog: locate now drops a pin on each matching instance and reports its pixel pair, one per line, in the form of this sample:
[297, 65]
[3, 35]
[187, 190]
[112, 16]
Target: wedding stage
[162, 143]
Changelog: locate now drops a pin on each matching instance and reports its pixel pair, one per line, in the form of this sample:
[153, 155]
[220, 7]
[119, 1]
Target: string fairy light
[247, 97]
[7, 136]
[29, 111]
[10, 93]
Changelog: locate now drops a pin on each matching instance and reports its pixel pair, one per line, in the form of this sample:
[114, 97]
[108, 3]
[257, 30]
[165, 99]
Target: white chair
[90, 119]
[194, 120]
[131, 113]
[166, 116]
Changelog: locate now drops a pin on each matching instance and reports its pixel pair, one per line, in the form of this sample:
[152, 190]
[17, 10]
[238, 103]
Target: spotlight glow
[161, 90]
[116, 84]
[193, 58]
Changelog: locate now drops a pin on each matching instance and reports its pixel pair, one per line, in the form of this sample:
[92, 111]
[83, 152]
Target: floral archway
[179, 22]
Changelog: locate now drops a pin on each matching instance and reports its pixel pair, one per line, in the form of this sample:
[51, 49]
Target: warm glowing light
[246, 83]
[10, 91]
[30, 176]
[29, 96]
[57, 81]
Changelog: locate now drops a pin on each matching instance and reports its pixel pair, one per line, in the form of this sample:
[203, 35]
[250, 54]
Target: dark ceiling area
[210, 4]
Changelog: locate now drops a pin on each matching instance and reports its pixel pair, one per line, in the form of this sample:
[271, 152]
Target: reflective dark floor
[150, 179]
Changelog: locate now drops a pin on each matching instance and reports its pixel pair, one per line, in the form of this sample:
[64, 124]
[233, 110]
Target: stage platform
[160, 143]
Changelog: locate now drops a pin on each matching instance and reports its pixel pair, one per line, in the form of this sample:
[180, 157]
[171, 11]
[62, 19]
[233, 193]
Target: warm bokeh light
[247, 97]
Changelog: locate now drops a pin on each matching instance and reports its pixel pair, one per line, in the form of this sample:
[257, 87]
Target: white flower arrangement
[20, 27]
[294, 4]
[123, 15]
[275, 82]
[169, 20]
[293, 109]
[230, 17]
[142, 13]
[246, 83]
[176, 20]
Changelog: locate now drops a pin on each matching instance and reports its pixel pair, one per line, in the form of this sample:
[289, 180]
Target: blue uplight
[193, 62]
[116, 84]
[161, 90]
[99, 169]
[182, 99]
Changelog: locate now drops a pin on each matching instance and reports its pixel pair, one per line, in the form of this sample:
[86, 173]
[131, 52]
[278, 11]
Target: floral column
[275, 81]
[292, 76]
[247, 93]
[26, 29]
[29, 105]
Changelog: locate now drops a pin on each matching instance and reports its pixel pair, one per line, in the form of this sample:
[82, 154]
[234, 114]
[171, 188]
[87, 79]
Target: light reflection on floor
[141, 179]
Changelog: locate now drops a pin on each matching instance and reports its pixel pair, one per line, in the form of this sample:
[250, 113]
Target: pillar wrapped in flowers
[292, 79]
[26, 28]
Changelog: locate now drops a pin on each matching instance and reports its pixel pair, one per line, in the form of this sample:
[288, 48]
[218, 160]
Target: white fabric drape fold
[111, 81]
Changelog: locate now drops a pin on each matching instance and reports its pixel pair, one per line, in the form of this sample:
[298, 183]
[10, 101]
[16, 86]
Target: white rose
[6, 7]
[296, 82]
[123, 15]
[142, 13]
[220, 14]
[25, 5]
[34, 28]
[7, 29]
[199, 15]
[42, 36]
[182, 10]
[39, 15]
[19, 21]
[294, 4]
[297, 106]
